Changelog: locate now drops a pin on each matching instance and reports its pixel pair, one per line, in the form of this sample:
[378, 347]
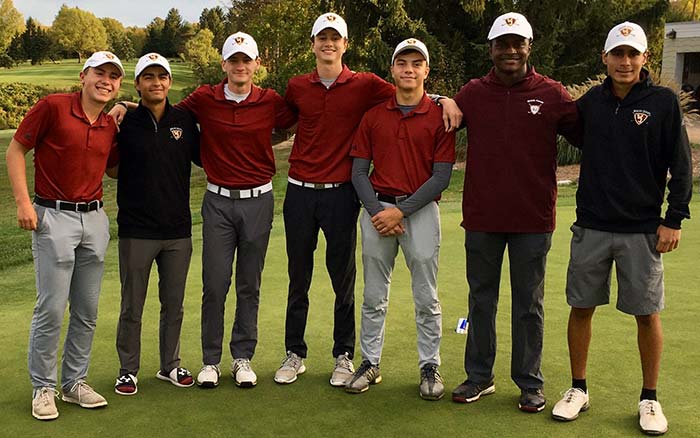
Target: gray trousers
[527, 255]
[230, 226]
[136, 257]
[421, 248]
[68, 249]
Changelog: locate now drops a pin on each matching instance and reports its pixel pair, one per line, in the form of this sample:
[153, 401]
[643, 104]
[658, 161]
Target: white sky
[129, 12]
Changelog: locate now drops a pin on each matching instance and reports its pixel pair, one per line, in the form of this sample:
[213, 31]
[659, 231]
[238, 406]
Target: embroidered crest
[411, 41]
[625, 31]
[330, 17]
[510, 21]
[535, 105]
[109, 56]
[239, 40]
[176, 133]
[152, 56]
[641, 116]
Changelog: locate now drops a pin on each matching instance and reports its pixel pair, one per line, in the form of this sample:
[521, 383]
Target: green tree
[137, 37]
[204, 59]
[172, 41]
[214, 19]
[34, 43]
[11, 23]
[117, 39]
[154, 37]
[79, 32]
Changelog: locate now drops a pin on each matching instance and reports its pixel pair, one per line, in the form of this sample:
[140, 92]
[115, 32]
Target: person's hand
[668, 239]
[386, 220]
[451, 114]
[117, 113]
[26, 216]
[396, 231]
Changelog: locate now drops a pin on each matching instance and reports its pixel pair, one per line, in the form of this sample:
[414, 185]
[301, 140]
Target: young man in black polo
[157, 143]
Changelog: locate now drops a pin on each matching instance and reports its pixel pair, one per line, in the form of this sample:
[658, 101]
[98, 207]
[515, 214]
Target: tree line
[569, 35]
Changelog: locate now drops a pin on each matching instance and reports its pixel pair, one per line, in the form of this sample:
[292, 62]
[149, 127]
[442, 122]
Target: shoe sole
[84, 405]
[126, 393]
[654, 432]
[247, 384]
[207, 385]
[376, 381]
[531, 409]
[584, 408]
[165, 378]
[431, 397]
[340, 383]
[301, 370]
[459, 399]
[45, 417]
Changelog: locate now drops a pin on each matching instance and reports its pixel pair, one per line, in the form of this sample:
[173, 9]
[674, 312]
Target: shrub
[16, 99]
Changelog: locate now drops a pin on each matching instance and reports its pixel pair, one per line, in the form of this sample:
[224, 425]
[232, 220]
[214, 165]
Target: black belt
[82, 207]
[391, 199]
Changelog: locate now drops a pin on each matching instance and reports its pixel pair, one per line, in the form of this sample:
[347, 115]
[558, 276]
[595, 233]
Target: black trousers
[335, 212]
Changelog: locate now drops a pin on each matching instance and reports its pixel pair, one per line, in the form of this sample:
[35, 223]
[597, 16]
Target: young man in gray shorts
[633, 135]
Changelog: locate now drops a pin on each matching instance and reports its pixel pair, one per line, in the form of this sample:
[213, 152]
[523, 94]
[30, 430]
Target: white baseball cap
[239, 42]
[411, 44]
[510, 23]
[103, 57]
[626, 34]
[149, 60]
[330, 20]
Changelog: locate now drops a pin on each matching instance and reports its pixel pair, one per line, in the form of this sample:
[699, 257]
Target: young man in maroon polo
[72, 141]
[412, 155]
[236, 120]
[512, 116]
[329, 102]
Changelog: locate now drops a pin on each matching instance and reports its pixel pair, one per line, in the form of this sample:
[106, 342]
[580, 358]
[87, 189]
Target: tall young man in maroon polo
[512, 116]
[329, 102]
[72, 141]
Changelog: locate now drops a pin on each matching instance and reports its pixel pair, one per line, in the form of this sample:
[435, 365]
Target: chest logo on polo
[640, 116]
[176, 133]
[535, 105]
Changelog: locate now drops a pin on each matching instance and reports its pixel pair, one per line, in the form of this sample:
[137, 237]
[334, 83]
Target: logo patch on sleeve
[640, 116]
[176, 133]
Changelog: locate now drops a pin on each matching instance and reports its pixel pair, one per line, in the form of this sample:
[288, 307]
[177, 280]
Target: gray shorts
[638, 267]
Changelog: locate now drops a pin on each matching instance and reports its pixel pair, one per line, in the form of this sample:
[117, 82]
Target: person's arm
[363, 187]
[120, 109]
[570, 125]
[451, 114]
[680, 186]
[16, 170]
[113, 172]
[429, 190]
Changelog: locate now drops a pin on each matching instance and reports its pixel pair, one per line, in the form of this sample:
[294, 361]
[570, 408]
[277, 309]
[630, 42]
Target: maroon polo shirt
[236, 138]
[328, 118]
[402, 147]
[510, 181]
[70, 153]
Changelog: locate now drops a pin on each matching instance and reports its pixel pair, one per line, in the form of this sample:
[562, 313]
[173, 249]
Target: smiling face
[409, 70]
[240, 69]
[624, 64]
[329, 46]
[510, 53]
[153, 84]
[101, 84]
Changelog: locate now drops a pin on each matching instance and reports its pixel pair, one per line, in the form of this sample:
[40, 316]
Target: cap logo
[176, 132]
[535, 105]
[510, 21]
[152, 56]
[411, 41]
[330, 17]
[109, 56]
[239, 40]
[641, 116]
[625, 31]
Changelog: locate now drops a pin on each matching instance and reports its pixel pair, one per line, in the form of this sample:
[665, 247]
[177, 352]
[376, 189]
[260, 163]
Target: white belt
[240, 194]
[317, 186]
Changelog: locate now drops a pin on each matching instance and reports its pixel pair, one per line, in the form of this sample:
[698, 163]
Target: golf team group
[629, 130]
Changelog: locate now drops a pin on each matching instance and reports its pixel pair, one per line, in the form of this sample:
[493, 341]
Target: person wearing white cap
[73, 144]
[633, 137]
[156, 144]
[512, 116]
[329, 102]
[400, 198]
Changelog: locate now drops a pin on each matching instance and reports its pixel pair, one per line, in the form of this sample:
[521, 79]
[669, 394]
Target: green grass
[311, 407]
[65, 74]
